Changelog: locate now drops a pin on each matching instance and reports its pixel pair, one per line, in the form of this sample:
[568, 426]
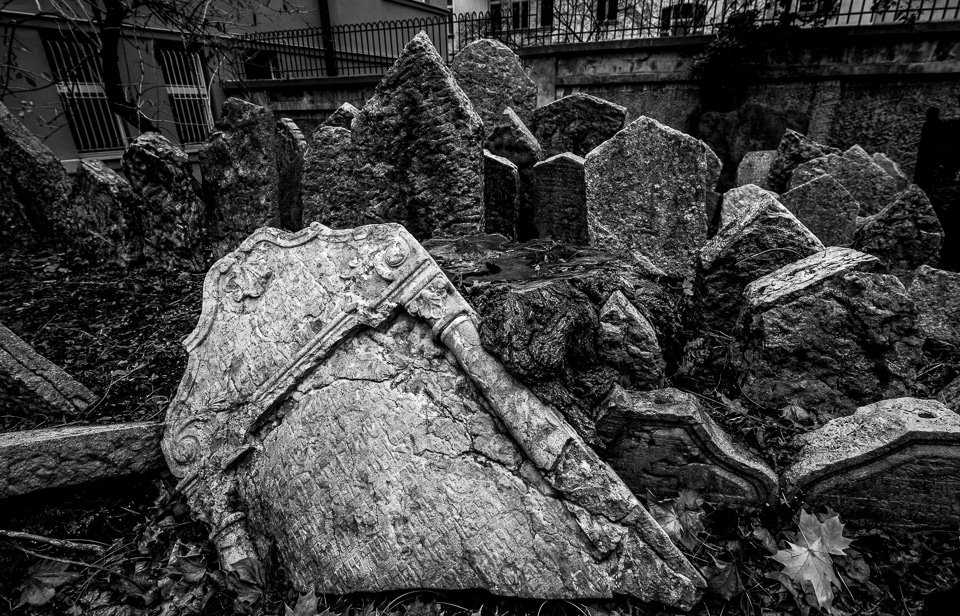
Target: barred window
[183, 76]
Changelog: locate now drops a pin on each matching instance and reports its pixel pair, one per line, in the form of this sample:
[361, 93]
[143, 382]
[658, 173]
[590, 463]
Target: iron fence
[371, 48]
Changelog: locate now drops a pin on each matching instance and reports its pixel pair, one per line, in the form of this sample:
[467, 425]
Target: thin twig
[60, 543]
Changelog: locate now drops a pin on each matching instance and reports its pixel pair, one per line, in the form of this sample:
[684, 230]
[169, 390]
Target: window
[183, 74]
[521, 14]
[496, 17]
[607, 10]
[546, 13]
[76, 69]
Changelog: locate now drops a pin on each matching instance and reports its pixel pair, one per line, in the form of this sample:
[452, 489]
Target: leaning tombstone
[826, 208]
[794, 149]
[576, 123]
[513, 141]
[754, 167]
[867, 182]
[100, 218]
[560, 206]
[737, 202]
[500, 184]
[492, 77]
[291, 148]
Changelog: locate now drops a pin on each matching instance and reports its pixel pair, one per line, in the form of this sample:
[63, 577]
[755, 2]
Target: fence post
[326, 36]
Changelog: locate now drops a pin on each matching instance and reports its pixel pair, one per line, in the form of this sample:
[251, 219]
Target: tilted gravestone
[794, 149]
[576, 123]
[663, 441]
[512, 140]
[628, 342]
[560, 205]
[291, 149]
[867, 182]
[339, 406]
[492, 77]
[647, 189]
[342, 117]
[238, 162]
[500, 185]
[738, 201]
[826, 208]
[892, 463]
[754, 167]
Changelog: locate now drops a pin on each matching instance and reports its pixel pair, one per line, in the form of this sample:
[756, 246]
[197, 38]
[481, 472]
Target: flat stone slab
[560, 212]
[663, 441]
[867, 182]
[825, 207]
[895, 462]
[59, 457]
[576, 123]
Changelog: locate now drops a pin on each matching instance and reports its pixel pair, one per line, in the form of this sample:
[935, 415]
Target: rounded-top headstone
[576, 123]
[493, 78]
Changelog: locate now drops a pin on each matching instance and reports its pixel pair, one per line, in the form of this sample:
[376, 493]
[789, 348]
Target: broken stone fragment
[754, 167]
[628, 342]
[512, 140]
[738, 202]
[825, 207]
[60, 457]
[867, 182]
[937, 295]
[892, 463]
[500, 186]
[892, 169]
[794, 149]
[291, 149]
[663, 441]
[560, 210]
[576, 123]
[342, 117]
[492, 77]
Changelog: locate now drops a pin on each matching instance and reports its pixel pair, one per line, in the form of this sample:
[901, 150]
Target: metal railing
[371, 48]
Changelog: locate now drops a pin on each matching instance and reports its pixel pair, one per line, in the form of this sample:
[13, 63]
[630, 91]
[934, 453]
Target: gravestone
[291, 149]
[937, 295]
[491, 75]
[794, 149]
[172, 214]
[828, 332]
[754, 167]
[238, 162]
[892, 168]
[342, 117]
[576, 123]
[500, 186]
[338, 405]
[628, 342]
[560, 206]
[826, 208]
[738, 202]
[512, 140]
[892, 463]
[867, 182]
[333, 179]
[100, 219]
[664, 441]
[646, 196]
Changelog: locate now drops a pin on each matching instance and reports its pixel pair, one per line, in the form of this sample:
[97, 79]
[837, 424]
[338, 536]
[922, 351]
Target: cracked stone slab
[663, 441]
[576, 123]
[59, 457]
[492, 77]
[338, 404]
[895, 462]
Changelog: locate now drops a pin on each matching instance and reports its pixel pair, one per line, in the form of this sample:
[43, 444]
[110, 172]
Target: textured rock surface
[937, 295]
[904, 235]
[332, 179]
[950, 395]
[765, 238]
[754, 167]
[100, 219]
[663, 441]
[794, 149]
[374, 456]
[738, 202]
[646, 196]
[826, 208]
[168, 199]
[512, 140]
[576, 123]
[493, 78]
[59, 457]
[628, 342]
[870, 185]
[238, 162]
[500, 185]
[895, 462]
[827, 332]
[560, 209]
[33, 183]
[892, 169]
[291, 150]
[342, 117]
[20, 363]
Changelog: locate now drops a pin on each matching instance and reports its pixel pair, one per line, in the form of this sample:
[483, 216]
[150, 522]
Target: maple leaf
[306, 605]
[808, 563]
[44, 579]
[681, 517]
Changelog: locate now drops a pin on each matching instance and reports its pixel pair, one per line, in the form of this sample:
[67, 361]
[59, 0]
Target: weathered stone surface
[500, 185]
[576, 123]
[512, 140]
[33, 184]
[59, 457]
[937, 295]
[827, 332]
[291, 150]
[342, 117]
[20, 363]
[646, 196]
[762, 240]
[663, 441]
[738, 202]
[867, 182]
[950, 395]
[168, 199]
[826, 208]
[560, 210]
[754, 167]
[238, 162]
[338, 394]
[493, 78]
[794, 149]
[628, 342]
[892, 463]
[904, 235]
[332, 179]
[892, 169]
[101, 219]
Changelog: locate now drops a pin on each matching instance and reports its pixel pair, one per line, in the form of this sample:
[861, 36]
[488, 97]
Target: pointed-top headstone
[512, 140]
[826, 208]
[500, 179]
[101, 217]
[794, 149]
[576, 123]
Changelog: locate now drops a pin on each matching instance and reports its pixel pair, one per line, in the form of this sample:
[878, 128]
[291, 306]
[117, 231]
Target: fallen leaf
[723, 579]
[810, 564]
[42, 582]
[306, 605]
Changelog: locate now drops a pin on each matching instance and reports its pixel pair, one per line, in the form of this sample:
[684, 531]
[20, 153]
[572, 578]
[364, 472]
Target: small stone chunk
[866, 181]
[60, 457]
[291, 149]
[892, 463]
[937, 295]
[342, 117]
[738, 202]
[512, 140]
[826, 208]
[493, 78]
[500, 185]
[560, 210]
[647, 189]
[950, 395]
[754, 167]
[101, 218]
[663, 441]
[904, 235]
[332, 180]
[576, 123]
[168, 199]
[628, 342]
[794, 149]
[892, 169]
